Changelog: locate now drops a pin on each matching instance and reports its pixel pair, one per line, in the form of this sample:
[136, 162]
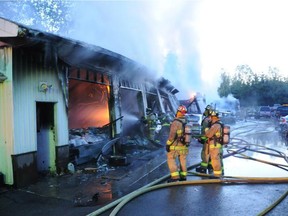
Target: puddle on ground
[268, 148]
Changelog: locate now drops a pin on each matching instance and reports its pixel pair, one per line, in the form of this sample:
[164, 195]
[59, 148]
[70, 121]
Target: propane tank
[71, 167]
[188, 133]
[226, 134]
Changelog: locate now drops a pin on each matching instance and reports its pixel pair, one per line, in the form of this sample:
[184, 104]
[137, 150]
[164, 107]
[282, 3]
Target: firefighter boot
[172, 180]
[201, 169]
[210, 169]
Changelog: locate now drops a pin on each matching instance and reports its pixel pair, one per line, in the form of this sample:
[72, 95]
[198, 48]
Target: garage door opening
[88, 104]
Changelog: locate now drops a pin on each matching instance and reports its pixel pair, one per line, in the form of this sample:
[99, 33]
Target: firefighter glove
[202, 139]
[168, 148]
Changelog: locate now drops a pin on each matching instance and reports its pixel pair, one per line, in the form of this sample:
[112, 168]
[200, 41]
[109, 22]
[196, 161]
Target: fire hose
[119, 203]
[199, 182]
[155, 184]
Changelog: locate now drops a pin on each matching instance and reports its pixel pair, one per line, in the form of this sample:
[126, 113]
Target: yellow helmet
[214, 113]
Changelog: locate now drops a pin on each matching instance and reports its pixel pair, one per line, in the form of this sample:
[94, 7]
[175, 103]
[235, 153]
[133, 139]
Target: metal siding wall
[6, 116]
[28, 73]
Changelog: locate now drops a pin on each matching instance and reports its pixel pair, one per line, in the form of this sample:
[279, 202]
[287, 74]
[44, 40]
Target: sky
[188, 42]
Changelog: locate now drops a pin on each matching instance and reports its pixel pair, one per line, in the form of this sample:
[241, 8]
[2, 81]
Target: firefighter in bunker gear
[165, 119]
[176, 147]
[205, 159]
[214, 150]
[151, 123]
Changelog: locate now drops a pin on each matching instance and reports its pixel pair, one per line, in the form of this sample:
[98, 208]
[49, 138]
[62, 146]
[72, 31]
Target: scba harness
[185, 136]
[224, 137]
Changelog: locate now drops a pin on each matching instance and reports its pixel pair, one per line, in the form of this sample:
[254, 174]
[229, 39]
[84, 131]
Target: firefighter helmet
[182, 109]
[214, 113]
[208, 111]
[208, 107]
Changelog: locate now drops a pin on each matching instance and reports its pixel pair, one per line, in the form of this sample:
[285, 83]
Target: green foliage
[49, 15]
[252, 89]
[224, 90]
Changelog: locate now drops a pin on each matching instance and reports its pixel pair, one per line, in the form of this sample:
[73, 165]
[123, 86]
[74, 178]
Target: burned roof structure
[50, 86]
[74, 53]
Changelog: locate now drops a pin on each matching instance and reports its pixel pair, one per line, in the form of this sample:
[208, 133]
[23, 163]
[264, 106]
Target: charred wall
[45, 69]
[62, 158]
[25, 169]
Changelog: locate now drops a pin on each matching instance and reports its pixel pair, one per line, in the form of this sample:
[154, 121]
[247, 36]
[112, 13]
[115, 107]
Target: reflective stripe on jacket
[218, 145]
[178, 148]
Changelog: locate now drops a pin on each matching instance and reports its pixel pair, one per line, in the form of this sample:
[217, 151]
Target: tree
[254, 89]
[225, 87]
[49, 15]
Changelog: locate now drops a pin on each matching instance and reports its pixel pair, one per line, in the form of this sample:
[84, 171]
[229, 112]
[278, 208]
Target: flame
[192, 95]
[88, 104]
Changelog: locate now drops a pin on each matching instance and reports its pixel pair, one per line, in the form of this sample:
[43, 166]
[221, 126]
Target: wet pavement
[92, 187]
[88, 189]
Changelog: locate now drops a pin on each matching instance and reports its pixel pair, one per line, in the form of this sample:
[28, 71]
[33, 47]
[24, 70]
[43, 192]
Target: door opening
[45, 137]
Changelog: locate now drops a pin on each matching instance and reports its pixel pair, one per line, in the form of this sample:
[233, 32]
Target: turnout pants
[215, 154]
[177, 153]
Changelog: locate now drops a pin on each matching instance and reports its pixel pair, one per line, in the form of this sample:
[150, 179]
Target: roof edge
[8, 29]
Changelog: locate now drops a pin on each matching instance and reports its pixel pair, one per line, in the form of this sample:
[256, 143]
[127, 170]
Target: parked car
[275, 106]
[273, 109]
[264, 111]
[281, 111]
[227, 117]
[251, 112]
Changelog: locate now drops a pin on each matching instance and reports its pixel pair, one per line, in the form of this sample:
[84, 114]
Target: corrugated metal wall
[28, 74]
[6, 116]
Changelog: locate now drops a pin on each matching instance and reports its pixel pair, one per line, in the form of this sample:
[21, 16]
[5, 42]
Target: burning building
[50, 86]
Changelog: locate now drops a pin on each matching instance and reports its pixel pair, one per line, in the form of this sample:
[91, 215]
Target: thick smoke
[186, 42]
[157, 34]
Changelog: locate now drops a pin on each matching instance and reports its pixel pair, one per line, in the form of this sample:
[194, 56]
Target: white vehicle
[264, 111]
[195, 121]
